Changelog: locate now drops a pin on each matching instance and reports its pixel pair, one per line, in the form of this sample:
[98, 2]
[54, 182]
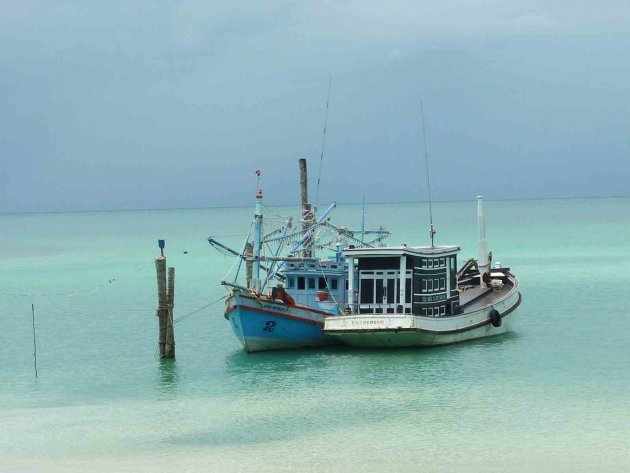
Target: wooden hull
[405, 330]
[262, 324]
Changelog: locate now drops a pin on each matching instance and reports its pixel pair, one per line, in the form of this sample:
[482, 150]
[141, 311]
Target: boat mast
[321, 156]
[426, 160]
[482, 243]
[307, 210]
[258, 220]
[363, 220]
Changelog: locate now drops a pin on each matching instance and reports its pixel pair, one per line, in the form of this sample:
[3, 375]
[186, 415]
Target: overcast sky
[107, 105]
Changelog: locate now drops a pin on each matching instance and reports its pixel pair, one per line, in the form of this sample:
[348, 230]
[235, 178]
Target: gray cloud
[142, 104]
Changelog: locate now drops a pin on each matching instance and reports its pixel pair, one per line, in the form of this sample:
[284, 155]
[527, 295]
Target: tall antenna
[426, 160]
[363, 220]
[321, 156]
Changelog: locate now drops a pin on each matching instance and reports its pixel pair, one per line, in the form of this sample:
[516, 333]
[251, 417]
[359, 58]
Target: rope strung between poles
[91, 290]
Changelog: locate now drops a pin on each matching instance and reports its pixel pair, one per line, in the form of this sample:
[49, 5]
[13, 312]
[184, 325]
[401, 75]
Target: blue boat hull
[262, 325]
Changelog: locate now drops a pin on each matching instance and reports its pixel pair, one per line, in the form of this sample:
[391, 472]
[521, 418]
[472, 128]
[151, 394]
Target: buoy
[495, 318]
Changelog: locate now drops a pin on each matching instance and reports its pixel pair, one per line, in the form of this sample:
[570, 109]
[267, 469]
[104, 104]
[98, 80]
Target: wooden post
[169, 348]
[249, 265]
[162, 310]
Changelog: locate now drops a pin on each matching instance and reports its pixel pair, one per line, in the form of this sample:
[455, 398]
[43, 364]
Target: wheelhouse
[403, 280]
[305, 279]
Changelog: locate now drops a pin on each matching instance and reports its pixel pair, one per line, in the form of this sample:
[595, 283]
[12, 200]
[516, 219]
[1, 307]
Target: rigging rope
[321, 157]
[193, 312]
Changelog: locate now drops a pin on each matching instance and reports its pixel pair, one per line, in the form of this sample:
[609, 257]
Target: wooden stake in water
[162, 311]
[169, 341]
[34, 339]
[166, 298]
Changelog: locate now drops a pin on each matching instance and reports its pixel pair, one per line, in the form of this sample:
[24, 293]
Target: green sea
[551, 396]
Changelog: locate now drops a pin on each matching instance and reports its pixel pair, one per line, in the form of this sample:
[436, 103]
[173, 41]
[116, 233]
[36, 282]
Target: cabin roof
[401, 250]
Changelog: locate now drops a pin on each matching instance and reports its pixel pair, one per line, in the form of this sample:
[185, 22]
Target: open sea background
[551, 396]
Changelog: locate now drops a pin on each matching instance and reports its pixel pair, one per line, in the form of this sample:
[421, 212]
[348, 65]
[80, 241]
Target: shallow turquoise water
[551, 396]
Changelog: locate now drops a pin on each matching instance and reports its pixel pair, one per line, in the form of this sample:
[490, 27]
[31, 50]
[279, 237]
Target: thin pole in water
[426, 160]
[34, 339]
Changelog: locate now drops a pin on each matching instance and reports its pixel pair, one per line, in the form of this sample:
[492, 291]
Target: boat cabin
[403, 280]
[314, 281]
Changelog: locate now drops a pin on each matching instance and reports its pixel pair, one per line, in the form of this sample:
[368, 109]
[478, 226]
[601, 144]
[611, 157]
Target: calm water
[552, 396]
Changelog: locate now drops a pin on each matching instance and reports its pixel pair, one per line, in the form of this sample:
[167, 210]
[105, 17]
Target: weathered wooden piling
[166, 299]
[162, 310]
[169, 348]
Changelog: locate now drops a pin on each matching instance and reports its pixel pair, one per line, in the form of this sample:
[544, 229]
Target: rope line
[83, 291]
[193, 312]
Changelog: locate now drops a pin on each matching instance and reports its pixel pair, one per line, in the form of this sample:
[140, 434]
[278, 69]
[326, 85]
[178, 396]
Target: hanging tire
[495, 318]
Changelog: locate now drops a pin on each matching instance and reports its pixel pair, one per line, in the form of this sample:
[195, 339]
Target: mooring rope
[193, 312]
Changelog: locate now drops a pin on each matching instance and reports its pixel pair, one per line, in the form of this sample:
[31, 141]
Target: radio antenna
[321, 156]
[426, 160]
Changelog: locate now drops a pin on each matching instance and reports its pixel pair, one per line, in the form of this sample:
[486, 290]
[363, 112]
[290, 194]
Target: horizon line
[143, 209]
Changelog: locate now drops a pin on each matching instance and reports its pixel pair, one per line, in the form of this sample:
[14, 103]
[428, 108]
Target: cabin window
[408, 291]
[430, 265]
[423, 263]
[424, 312]
[443, 310]
[333, 283]
[291, 282]
[442, 263]
[391, 291]
[436, 312]
[321, 284]
[301, 282]
[453, 268]
[367, 291]
[430, 285]
[436, 285]
[311, 283]
[442, 284]
[430, 311]
[424, 285]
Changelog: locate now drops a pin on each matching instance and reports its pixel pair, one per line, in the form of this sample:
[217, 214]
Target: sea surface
[554, 395]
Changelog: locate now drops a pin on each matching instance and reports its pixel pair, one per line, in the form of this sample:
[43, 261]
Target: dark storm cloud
[154, 104]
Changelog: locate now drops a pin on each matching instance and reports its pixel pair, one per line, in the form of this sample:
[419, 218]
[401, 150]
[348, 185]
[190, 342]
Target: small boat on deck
[404, 296]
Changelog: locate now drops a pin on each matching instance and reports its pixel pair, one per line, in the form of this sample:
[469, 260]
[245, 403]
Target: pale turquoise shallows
[552, 396]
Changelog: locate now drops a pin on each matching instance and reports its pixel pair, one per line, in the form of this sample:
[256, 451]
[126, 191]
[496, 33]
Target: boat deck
[476, 297]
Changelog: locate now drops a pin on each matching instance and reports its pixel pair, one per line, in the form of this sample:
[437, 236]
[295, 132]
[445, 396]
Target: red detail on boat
[278, 314]
[315, 311]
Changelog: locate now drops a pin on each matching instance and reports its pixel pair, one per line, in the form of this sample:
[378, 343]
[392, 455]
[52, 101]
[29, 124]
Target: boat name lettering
[276, 308]
[368, 322]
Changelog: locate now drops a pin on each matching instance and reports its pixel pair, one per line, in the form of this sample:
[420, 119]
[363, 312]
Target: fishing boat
[414, 296]
[286, 297]
[406, 296]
